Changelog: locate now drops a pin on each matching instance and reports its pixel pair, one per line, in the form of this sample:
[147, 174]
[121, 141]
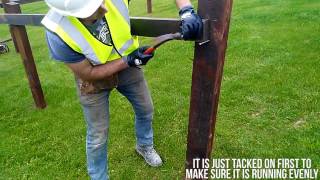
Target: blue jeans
[96, 111]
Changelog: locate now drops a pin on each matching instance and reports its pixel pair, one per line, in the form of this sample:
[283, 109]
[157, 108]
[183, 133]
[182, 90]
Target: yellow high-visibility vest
[78, 37]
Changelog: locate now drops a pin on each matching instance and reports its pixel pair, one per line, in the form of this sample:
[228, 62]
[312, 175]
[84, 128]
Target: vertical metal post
[206, 79]
[149, 6]
[20, 34]
[8, 9]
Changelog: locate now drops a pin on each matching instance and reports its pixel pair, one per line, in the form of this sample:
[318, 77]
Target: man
[93, 38]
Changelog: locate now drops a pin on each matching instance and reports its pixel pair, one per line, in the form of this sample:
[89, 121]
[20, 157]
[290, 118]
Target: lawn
[269, 104]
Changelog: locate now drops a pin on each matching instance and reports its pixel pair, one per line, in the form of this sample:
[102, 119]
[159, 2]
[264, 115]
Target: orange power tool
[161, 40]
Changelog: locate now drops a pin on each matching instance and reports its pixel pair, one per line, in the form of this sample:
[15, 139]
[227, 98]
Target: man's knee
[145, 113]
[97, 139]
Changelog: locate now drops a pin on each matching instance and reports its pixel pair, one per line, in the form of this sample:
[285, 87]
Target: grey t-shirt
[101, 31]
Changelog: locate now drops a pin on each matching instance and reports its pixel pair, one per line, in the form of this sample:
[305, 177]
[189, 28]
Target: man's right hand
[137, 58]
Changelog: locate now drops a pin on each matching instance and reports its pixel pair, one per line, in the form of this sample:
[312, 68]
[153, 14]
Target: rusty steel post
[20, 34]
[9, 9]
[149, 6]
[206, 79]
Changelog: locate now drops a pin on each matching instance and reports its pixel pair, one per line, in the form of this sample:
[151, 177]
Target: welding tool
[158, 41]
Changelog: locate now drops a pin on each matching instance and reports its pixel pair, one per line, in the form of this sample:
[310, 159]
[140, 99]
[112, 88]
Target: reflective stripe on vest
[77, 36]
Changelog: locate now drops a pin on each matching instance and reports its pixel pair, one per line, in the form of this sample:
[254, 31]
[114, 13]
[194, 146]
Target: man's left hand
[138, 58]
[191, 23]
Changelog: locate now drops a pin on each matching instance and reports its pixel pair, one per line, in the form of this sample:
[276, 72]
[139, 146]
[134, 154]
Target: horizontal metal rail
[21, 2]
[21, 19]
[141, 26]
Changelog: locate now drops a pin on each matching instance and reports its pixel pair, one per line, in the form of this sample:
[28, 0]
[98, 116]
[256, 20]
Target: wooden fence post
[149, 6]
[19, 33]
[7, 9]
[206, 79]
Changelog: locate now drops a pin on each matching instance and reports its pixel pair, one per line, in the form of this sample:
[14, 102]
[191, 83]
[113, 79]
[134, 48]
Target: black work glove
[191, 23]
[137, 58]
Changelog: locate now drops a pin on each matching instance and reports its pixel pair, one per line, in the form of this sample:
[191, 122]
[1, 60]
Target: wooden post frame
[206, 80]
[19, 34]
[149, 6]
[9, 9]
[207, 67]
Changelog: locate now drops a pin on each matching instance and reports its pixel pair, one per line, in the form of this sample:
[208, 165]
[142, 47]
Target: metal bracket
[205, 33]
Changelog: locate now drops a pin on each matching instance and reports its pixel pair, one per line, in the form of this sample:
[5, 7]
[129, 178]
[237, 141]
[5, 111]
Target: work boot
[150, 155]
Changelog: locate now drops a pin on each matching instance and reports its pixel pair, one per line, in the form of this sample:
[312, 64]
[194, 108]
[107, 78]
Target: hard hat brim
[85, 12]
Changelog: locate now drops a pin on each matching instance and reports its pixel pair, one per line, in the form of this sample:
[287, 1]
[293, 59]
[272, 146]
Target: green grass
[269, 104]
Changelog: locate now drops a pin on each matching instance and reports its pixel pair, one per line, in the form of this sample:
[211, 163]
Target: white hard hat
[76, 8]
